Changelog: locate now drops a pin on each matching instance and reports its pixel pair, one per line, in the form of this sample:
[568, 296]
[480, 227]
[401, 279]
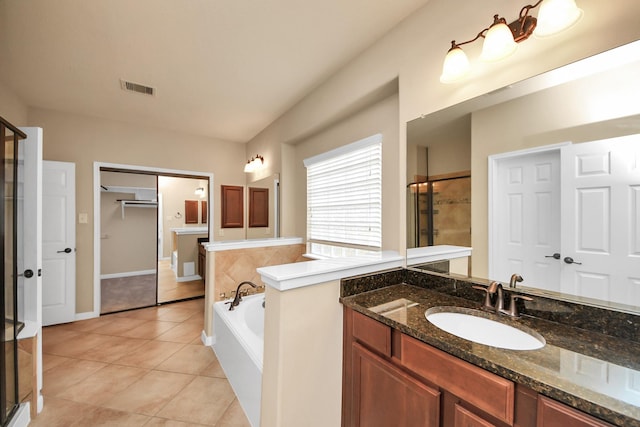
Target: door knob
[570, 260]
[66, 251]
[27, 273]
[554, 256]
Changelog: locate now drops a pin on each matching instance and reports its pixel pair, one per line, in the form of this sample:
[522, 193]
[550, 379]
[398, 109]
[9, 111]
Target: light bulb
[455, 66]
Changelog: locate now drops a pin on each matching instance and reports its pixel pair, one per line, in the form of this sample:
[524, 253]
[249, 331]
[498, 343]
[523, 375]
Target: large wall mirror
[582, 242]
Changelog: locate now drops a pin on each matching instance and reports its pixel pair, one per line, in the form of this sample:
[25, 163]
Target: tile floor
[145, 367]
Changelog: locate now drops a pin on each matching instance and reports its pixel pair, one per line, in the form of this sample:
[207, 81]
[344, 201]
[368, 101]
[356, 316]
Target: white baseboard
[188, 278]
[86, 315]
[207, 340]
[22, 417]
[127, 274]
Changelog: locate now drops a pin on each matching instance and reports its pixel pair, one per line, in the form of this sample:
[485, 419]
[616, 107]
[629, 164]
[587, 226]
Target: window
[344, 199]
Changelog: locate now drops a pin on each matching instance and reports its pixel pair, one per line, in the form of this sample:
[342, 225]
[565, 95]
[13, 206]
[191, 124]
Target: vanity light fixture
[199, 192]
[501, 39]
[254, 164]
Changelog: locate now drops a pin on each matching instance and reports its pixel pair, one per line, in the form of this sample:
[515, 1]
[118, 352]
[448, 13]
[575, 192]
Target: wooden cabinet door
[384, 396]
[556, 414]
[190, 211]
[466, 418]
[232, 206]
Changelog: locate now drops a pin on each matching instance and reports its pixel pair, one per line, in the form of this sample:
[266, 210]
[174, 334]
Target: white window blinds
[344, 195]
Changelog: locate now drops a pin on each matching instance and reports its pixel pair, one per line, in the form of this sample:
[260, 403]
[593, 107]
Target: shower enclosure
[439, 212]
[9, 397]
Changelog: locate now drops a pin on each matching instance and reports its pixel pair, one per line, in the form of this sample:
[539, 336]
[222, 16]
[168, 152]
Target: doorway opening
[150, 224]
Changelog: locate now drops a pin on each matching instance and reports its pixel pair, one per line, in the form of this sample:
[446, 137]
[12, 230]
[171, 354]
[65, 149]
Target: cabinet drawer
[484, 390]
[466, 418]
[373, 334]
[556, 414]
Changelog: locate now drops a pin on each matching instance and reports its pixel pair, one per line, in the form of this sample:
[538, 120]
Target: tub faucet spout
[238, 297]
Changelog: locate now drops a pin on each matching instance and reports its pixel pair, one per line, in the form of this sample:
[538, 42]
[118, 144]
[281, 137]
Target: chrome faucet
[238, 297]
[514, 278]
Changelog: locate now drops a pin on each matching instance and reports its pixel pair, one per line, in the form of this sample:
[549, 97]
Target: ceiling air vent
[136, 87]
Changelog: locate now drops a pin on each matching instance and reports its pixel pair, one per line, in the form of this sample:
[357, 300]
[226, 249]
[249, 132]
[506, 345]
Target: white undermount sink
[473, 325]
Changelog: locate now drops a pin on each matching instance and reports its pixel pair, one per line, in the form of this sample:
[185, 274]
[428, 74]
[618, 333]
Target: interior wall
[413, 52]
[11, 107]
[175, 191]
[537, 120]
[378, 118]
[85, 140]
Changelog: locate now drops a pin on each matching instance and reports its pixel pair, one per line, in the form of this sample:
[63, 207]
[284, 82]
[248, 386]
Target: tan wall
[378, 118]
[537, 120]
[85, 140]
[12, 108]
[174, 192]
[414, 51]
[127, 244]
[302, 372]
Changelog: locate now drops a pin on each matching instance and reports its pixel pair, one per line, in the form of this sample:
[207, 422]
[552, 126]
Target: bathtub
[239, 346]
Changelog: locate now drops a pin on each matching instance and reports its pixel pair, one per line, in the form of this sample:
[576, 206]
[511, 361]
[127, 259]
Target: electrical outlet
[267, 230]
[221, 232]
[83, 218]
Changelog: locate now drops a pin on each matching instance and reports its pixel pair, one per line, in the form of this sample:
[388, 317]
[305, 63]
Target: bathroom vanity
[399, 369]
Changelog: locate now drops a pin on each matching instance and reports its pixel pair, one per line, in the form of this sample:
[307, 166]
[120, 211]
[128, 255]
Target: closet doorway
[151, 224]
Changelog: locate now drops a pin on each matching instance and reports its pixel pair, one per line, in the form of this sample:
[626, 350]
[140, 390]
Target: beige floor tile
[234, 416]
[150, 329]
[51, 361]
[150, 313]
[184, 332]
[57, 379]
[72, 346]
[103, 384]
[203, 401]
[84, 325]
[213, 370]
[164, 422]
[150, 355]
[112, 348]
[150, 393]
[118, 325]
[190, 359]
[170, 313]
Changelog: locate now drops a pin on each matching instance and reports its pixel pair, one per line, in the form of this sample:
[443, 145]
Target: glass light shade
[498, 43]
[455, 66]
[556, 16]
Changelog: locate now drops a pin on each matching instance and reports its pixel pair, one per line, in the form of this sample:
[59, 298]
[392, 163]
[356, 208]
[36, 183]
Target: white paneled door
[527, 219]
[568, 219]
[58, 243]
[601, 220]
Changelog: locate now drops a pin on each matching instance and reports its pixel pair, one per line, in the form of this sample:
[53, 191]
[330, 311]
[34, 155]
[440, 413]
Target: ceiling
[222, 68]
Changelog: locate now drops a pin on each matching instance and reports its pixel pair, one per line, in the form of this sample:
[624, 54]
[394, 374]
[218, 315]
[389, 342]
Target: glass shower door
[8, 305]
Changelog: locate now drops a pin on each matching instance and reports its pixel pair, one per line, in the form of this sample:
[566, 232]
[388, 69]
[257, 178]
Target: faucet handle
[487, 298]
[513, 306]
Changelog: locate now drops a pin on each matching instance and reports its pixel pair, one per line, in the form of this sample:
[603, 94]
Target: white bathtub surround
[291, 276]
[302, 371]
[252, 243]
[458, 256]
[239, 347]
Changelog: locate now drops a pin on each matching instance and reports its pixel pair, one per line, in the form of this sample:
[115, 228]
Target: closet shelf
[137, 204]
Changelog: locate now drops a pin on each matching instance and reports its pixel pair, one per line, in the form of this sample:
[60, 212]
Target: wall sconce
[254, 164]
[199, 192]
[501, 39]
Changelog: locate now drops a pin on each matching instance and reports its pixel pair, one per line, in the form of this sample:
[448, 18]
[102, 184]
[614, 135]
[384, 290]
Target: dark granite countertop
[596, 373]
